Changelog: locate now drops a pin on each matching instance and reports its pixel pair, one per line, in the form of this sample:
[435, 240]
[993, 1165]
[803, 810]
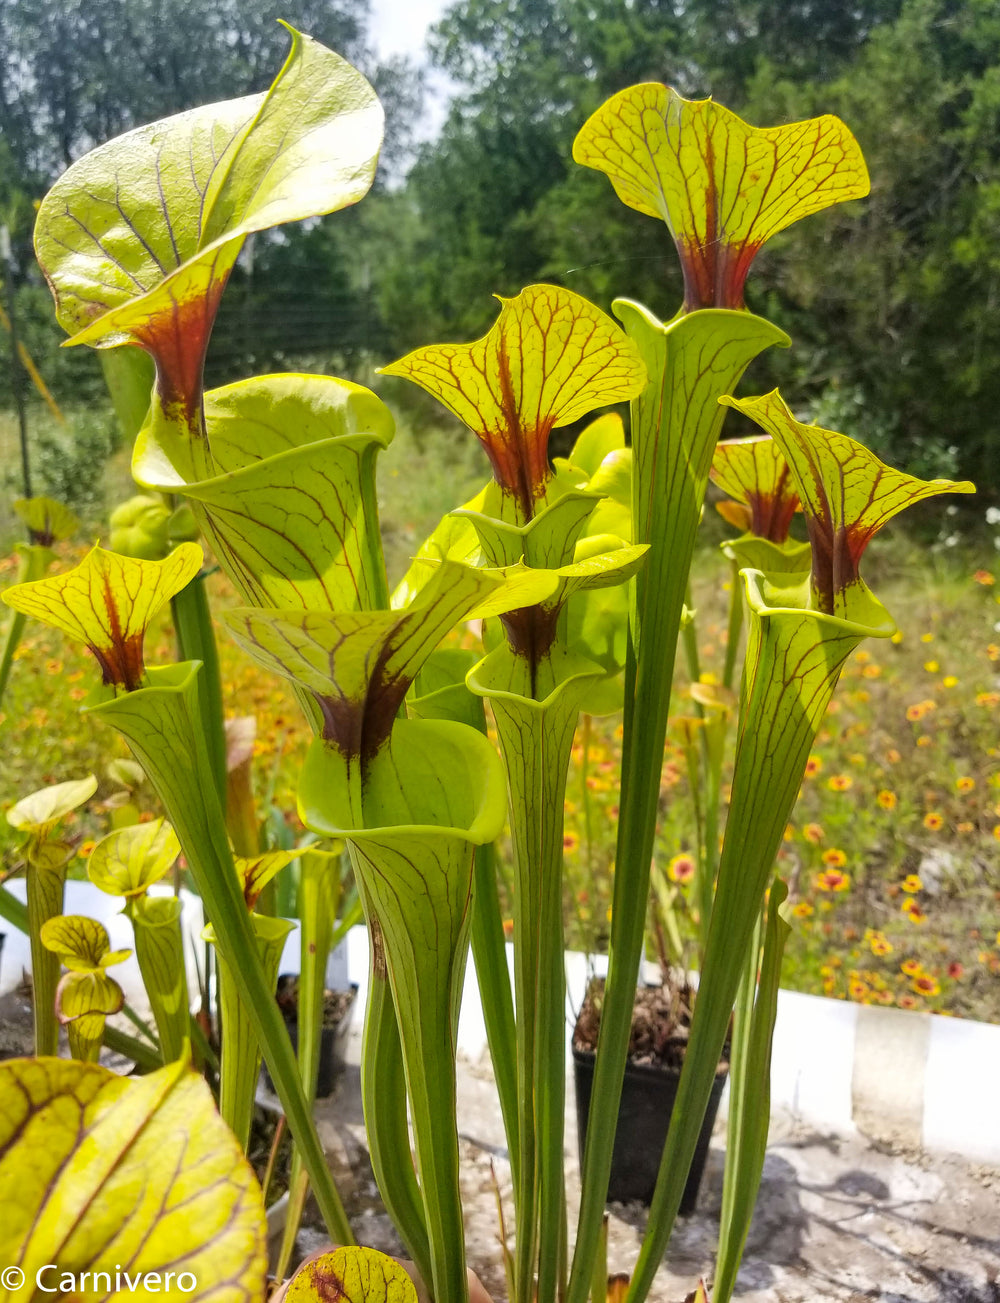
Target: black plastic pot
[333, 1041]
[648, 1094]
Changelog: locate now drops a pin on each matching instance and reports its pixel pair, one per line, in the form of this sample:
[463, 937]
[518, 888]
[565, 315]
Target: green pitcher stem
[414, 876]
[425, 1000]
[456, 702]
[586, 804]
[45, 901]
[689, 636]
[82, 1046]
[315, 911]
[550, 1088]
[140, 1024]
[705, 795]
[383, 1091]
[242, 825]
[489, 952]
[735, 626]
[143, 1055]
[11, 641]
[159, 948]
[739, 1049]
[161, 725]
[298, 1193]
[196, 642]
[373, 555]
[794, 658]
[241, 1053]
[713, 752]
[536, 744]
[316, 928]
[755, 1101]
[692, 361]
[13, 911]
[709, 859]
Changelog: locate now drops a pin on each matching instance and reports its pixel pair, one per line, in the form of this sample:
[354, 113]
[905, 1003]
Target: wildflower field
[893, 853]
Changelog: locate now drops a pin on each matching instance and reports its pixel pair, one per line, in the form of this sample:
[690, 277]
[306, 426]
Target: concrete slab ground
[840, 1219]
[857, 1201]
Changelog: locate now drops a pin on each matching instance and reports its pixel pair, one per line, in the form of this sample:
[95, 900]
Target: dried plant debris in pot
[661, 1023]
[336, 1004]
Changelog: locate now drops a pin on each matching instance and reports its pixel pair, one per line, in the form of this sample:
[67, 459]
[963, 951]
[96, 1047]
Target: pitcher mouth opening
[791, 594]
[432, 777]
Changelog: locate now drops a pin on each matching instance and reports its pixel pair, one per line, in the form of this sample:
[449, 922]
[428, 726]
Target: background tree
[892, 302]
[481, 209]
[73, 75]
[894, 306]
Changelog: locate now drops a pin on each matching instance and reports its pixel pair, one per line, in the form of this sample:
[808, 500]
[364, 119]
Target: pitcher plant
[575, 573]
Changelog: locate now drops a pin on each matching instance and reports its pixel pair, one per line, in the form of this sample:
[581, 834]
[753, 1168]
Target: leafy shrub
[69, 463]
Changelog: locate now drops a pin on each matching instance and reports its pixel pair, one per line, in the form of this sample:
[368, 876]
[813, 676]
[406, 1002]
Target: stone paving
[840, 1219]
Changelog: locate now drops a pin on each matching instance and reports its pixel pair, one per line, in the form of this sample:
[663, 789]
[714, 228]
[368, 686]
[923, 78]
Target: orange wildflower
[833, 880]
[880, 944]
[681, 868]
